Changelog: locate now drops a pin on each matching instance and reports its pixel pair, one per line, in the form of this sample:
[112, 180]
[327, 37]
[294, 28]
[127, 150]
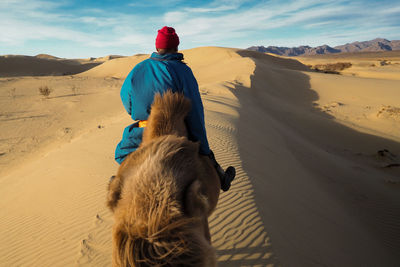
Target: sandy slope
[326, 198]
[379, 65]
[311, 188]
[32, 124]
[42, 65]
[117, 68]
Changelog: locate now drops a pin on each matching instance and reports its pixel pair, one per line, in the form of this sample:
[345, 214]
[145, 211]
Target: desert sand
[44, 65]
[317, 158]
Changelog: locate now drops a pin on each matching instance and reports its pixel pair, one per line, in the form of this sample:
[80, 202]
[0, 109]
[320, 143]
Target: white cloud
[221, 22]
[252, 23]
[210, 9]
[240, 23]
[41, 20]
[155, 3]
[173, 17]
[16, 32]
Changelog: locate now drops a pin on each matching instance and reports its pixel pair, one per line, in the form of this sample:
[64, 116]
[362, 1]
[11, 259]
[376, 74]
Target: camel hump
[172, 105]
[167, 116]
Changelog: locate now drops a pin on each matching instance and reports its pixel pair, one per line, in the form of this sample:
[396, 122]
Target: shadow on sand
[70, 95]
[318, 188]
[241, 238]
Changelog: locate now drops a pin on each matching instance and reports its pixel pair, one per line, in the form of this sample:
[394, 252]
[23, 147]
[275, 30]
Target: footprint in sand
[95, 249]
[389, 112]
[329, 106]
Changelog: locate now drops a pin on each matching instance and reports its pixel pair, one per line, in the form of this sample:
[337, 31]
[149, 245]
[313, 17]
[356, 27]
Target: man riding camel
[164, 71]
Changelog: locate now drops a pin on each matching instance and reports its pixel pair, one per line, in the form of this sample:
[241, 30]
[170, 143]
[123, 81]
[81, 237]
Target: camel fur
[163, 194]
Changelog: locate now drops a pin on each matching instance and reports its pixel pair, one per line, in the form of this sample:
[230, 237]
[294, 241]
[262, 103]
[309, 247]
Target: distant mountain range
[378, 44]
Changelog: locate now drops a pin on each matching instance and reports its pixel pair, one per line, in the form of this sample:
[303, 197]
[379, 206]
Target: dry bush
[11, 93]
[45, 90]
[333, 68]
[384, 62]
[389, 112]
[74, 89]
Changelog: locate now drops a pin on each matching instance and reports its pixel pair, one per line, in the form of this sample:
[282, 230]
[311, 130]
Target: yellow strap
[142, 124]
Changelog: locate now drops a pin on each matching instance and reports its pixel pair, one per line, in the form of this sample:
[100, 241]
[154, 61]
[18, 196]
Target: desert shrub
[389, 112]
[384, 62]
[45, 90]
[333, 68]
[74, 89]
[11, 93]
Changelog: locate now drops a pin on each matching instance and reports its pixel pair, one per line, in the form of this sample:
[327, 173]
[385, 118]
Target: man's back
[154, 75]
[159, 73]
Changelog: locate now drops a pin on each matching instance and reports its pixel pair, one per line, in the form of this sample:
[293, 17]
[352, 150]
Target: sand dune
[378, 65]
[41, 65]
[46, 56]
[106, 58]
[118, 67]
[316, 157]
[324, 182]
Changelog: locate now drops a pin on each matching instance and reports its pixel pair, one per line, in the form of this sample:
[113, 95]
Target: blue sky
[92, 28]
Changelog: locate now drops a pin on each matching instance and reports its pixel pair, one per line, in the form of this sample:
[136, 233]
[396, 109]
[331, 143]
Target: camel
[163, 194]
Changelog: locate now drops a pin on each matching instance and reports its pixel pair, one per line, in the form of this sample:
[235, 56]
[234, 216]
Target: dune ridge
[312, 187]
[41, 65]
[117, 67]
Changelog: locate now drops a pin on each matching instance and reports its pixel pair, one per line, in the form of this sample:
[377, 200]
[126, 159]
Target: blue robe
[156, 75]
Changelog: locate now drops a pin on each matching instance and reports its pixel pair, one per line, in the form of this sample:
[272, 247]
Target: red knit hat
[167, 38]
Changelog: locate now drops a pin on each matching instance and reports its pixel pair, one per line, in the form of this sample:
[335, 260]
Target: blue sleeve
[126, 93]
[195, 118]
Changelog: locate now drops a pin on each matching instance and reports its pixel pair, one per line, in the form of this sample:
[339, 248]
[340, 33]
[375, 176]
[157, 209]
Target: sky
[93, 28]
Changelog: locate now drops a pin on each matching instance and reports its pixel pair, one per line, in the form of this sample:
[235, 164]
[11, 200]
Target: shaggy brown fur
[163, 194]
[167, 116]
